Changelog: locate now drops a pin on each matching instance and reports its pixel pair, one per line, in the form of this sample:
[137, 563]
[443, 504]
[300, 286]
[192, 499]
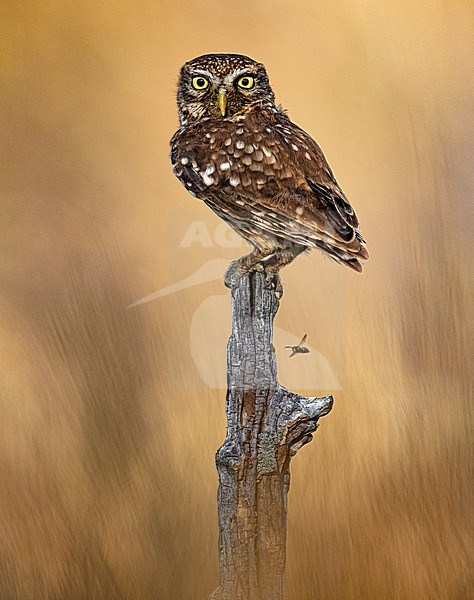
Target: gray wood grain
[266, 426]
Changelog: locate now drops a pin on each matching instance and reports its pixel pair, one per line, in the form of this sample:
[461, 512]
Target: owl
[239, 152]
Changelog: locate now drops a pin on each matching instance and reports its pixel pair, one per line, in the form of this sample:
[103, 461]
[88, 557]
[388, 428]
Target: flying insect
[299, 349]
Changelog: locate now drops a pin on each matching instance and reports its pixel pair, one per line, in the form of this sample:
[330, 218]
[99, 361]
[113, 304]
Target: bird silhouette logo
[214, 308]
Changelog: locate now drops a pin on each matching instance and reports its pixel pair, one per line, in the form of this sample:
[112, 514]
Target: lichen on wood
[267, 446]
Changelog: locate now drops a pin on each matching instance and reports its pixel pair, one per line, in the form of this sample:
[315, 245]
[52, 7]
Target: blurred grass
[108, 433]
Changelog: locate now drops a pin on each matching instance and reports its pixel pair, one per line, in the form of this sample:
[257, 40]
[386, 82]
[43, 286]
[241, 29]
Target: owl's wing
[308, 193]
[308, 157]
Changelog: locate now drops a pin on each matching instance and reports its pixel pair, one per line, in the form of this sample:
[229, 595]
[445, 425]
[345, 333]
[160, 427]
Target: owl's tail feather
[353, 263]
[342, 256]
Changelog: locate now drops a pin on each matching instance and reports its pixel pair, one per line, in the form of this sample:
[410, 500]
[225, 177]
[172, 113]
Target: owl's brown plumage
[267, 178]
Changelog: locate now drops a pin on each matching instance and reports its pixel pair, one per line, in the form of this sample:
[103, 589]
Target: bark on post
[266, 426]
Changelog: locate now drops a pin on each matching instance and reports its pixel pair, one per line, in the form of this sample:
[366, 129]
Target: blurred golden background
[110, 417]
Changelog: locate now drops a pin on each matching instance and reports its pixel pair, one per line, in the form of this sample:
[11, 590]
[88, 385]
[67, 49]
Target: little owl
[268, 179]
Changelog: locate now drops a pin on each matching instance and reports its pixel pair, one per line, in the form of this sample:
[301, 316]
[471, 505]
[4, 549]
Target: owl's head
[221, 86]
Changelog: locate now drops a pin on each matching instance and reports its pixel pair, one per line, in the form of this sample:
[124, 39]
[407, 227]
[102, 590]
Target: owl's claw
[239, 268]
[273, 282]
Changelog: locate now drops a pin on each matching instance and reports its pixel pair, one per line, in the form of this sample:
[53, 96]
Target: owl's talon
[241, 267]
[273, 282]
[279, 289]
[258, 267]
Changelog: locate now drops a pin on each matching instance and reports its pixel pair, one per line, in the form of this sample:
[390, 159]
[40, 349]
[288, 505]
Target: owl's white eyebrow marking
[230, 78]
[206, 74]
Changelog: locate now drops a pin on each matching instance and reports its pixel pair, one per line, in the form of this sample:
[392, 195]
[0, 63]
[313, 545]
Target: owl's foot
[277, 261]
[245, 264]
[237, 270]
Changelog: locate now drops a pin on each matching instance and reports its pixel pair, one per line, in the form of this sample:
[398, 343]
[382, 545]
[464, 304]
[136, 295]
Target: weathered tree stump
[266, 426]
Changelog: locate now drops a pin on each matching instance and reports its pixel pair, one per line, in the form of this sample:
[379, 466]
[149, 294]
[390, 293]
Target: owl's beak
[222, 101]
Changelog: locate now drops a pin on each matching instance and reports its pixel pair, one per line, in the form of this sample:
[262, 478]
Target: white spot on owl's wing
[225, 166]
[184, 160]
[207, 179]
[240, 144]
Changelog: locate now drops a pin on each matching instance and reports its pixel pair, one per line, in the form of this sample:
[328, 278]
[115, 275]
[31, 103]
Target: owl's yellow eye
[200, 83]
[246, 82]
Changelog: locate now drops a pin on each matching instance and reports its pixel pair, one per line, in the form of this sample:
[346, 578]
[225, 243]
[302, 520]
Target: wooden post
[266, 426]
